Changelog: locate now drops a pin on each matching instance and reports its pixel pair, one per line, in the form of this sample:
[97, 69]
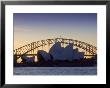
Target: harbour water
[55, 70]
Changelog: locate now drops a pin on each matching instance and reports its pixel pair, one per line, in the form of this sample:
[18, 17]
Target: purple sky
[31, 27]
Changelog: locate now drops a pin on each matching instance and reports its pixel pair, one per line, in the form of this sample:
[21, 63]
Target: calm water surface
[55, 71]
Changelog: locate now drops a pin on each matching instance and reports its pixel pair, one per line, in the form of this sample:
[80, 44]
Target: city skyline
[31, 27]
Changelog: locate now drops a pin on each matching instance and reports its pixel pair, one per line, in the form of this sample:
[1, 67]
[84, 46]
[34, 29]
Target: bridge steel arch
[35, 45]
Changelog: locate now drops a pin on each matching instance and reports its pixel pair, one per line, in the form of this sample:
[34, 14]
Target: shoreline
[75, 63]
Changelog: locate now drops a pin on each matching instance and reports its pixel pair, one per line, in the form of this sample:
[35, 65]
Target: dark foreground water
[55, 71]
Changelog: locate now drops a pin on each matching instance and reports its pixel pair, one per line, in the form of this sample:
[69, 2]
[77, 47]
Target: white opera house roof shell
[57, 52]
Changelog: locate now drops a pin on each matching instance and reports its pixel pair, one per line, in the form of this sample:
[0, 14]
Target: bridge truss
[30, 49]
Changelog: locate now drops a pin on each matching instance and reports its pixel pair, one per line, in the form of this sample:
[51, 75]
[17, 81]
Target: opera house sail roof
[57, 52]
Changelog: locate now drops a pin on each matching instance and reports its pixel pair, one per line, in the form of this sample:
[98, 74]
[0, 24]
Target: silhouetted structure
[57, 55]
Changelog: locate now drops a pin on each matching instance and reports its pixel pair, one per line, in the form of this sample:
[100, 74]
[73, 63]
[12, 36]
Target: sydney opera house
[57, 52]
[58, 56]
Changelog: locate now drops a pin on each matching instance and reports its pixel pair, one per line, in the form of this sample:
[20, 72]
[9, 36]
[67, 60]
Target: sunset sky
[31, 27]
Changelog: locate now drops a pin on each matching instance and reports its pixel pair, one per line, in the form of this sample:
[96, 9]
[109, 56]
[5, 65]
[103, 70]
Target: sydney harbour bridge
[32, 48]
